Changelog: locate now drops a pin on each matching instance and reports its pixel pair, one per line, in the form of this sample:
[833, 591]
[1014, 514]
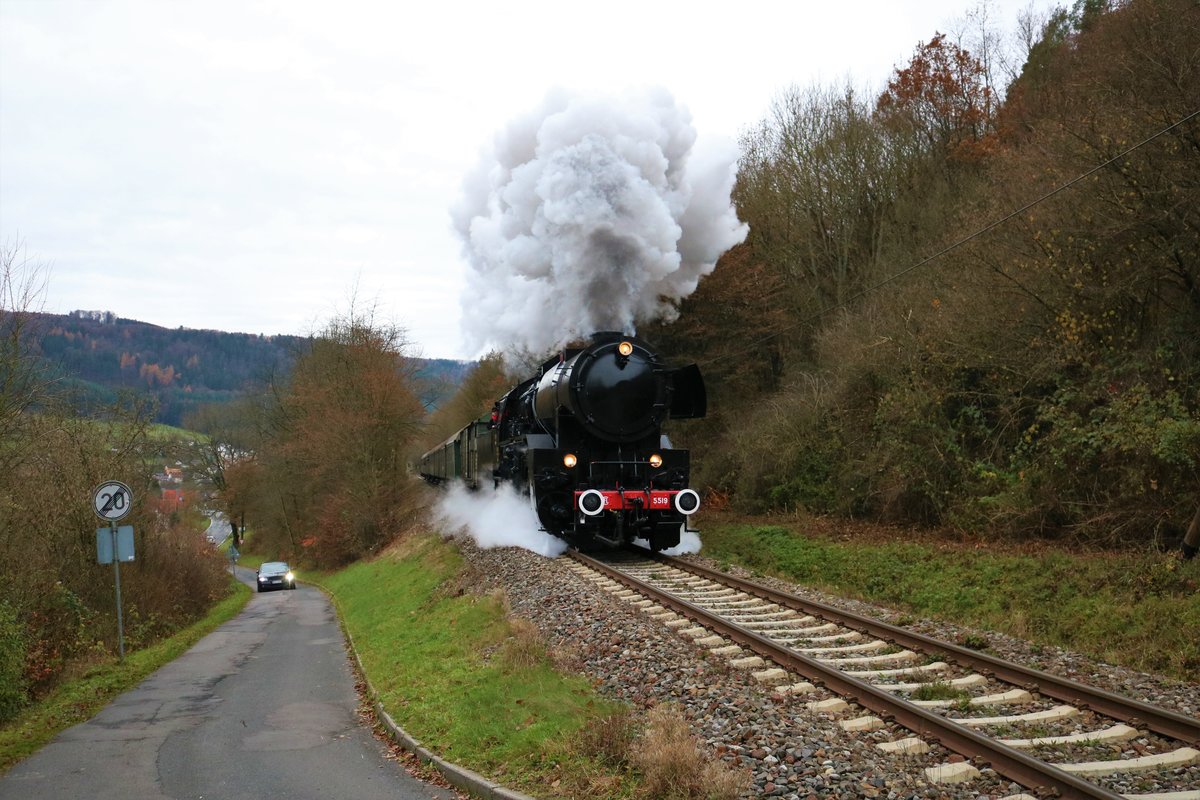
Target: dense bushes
[1042, 376]
[49, 573]
[12, 663]
[57, 607]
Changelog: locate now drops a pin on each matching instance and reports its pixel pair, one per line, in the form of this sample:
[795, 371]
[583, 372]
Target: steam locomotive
[582, 438]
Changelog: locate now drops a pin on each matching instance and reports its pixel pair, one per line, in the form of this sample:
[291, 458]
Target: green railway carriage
[468, 456]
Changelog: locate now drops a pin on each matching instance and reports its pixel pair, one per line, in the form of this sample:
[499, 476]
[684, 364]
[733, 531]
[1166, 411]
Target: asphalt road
[218, 528]
[262, 707]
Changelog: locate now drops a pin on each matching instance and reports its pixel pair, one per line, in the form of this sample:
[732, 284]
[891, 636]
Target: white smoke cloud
[589, 214]
[499, 518]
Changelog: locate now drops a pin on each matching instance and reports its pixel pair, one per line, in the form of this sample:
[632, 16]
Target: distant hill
[97, 354]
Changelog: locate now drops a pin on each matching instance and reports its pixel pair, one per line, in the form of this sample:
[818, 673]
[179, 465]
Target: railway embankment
[1139, 610]
[478, 687]
[504, 662]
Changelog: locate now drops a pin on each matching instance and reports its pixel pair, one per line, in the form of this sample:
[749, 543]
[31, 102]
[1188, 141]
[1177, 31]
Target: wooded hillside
[181, 368]
[967, 306]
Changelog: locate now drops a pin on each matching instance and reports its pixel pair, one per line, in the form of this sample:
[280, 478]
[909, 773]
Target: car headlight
[290, 577]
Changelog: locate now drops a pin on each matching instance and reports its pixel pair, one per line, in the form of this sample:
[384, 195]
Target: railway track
[939, 692]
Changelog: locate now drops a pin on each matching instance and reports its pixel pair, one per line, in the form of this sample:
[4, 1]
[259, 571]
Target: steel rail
[1138, 714]
[1013, 764]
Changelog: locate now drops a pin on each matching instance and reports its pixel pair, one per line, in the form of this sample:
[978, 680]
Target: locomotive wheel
[553, 510]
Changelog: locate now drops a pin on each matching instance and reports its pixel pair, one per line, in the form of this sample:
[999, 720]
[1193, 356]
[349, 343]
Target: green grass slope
[458, 675]
[1140, 610]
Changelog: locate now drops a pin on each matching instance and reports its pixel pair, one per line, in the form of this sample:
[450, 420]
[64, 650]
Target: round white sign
[113, 501]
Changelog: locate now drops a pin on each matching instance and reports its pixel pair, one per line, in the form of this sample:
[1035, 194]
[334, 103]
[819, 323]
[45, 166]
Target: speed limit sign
[113, 500]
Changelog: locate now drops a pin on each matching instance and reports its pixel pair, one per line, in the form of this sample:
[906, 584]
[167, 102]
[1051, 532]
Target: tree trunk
[1191, 542]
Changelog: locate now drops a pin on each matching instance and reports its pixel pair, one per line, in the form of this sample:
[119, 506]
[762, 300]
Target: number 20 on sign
[112, 501]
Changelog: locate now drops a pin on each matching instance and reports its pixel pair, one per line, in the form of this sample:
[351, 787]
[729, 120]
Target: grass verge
[1138, 610]
[458, 675]
[77, 700]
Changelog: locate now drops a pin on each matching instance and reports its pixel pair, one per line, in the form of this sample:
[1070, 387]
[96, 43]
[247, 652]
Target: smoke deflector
[689, 400]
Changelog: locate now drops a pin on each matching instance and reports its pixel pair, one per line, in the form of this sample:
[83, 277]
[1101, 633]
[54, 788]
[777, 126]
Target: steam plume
[497, 518]
[591, 214]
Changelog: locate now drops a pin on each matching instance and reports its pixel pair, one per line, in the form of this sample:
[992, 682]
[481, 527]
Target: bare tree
[815, 182]
[22, 284]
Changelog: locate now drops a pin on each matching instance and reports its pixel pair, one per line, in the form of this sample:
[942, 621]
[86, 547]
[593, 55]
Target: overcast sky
[252, 166]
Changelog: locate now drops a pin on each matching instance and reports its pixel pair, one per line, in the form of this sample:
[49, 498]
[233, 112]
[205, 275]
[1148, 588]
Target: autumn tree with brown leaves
[328, 479]
[942, 100]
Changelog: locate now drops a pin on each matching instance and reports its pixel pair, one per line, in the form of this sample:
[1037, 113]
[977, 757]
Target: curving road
[264, 706]
[218, 528]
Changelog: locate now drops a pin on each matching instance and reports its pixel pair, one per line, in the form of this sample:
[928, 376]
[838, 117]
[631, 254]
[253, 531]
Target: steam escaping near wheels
[495, 518]
[601, 209]
[502, 518]
[689, 542]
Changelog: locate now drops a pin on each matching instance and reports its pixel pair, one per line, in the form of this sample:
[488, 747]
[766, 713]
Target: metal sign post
[117, 579]
[112, 502]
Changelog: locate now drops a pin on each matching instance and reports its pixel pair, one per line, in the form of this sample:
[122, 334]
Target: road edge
[457, 776]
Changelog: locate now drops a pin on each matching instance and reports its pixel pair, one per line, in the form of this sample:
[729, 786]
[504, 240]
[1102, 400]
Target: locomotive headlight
[569, 460]
[591, 502]
[656, 461]
[687, 502]
[625, 349]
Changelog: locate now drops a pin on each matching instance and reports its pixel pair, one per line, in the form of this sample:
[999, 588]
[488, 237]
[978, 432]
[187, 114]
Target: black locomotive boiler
[582, 438]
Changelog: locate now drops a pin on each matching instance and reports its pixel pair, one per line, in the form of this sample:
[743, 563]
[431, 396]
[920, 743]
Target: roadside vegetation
[1137, 609]
[57, 605]
[317, 463]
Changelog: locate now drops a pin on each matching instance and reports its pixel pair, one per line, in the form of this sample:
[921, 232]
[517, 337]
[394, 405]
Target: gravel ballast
[783, 748]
